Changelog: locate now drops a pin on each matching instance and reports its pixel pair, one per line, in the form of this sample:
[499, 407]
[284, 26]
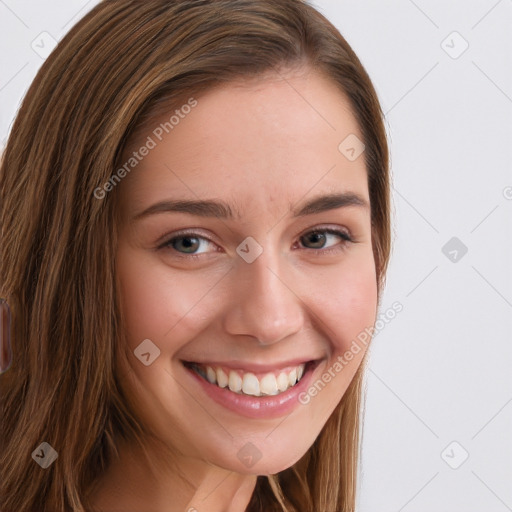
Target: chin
[250, 461]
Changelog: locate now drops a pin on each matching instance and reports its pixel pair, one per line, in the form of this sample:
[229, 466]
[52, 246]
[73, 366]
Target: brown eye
[187, 244]
[317, 239]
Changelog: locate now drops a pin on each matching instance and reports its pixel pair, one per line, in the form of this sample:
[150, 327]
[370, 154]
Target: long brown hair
[118, 64]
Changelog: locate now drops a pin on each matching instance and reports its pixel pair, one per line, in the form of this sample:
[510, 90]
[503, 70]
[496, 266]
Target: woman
[195, 213]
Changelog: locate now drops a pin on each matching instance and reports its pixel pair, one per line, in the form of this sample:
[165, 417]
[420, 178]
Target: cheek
[157, 303]
[347, 303]
[346, 308]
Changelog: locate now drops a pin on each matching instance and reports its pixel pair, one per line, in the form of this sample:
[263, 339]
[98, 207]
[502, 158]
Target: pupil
[187, 244]
[319, 238]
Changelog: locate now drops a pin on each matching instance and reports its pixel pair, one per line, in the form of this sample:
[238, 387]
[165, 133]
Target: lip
[267, 407]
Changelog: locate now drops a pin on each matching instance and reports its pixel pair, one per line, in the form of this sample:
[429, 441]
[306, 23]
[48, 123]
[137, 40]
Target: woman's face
[219, 265]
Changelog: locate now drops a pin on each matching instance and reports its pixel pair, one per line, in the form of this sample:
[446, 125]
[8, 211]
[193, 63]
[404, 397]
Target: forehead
[275, 138]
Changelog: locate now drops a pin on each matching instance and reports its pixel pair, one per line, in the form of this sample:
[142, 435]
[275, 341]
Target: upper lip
[255, 367]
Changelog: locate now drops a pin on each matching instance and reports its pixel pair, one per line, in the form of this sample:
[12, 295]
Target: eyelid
[327, 228]
[191, 232]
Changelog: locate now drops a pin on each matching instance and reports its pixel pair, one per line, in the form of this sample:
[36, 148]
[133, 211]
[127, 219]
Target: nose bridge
[265, 304]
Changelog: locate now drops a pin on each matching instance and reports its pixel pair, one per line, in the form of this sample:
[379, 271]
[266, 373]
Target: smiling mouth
[249, 383]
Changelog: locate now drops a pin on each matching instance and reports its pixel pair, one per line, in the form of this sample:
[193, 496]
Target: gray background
[439, 387]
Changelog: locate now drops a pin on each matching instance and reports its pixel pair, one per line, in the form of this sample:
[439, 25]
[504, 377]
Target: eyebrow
[222, 210]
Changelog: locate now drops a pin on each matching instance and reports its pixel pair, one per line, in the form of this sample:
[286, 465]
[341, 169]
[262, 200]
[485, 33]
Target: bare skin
[265, 147]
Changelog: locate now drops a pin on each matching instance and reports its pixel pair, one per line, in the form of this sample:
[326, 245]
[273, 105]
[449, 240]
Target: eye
[187, 244]
[318, 239]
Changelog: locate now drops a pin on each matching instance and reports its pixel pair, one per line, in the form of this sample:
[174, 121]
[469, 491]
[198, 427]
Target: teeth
[211, 375]
[292, 377]
[268, 385]
[282, 382]
[222, 378]
[249, 384]
[235, 382]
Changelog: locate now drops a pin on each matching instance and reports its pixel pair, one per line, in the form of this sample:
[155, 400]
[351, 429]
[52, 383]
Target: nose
[265, 304]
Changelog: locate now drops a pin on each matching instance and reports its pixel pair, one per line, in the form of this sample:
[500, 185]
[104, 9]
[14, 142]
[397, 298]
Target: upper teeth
[249, 384]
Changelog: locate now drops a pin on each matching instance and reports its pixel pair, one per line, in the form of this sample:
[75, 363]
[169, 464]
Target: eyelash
[346, 239]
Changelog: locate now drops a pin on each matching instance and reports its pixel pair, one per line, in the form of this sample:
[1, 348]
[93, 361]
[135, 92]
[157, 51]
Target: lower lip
[271, 406]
